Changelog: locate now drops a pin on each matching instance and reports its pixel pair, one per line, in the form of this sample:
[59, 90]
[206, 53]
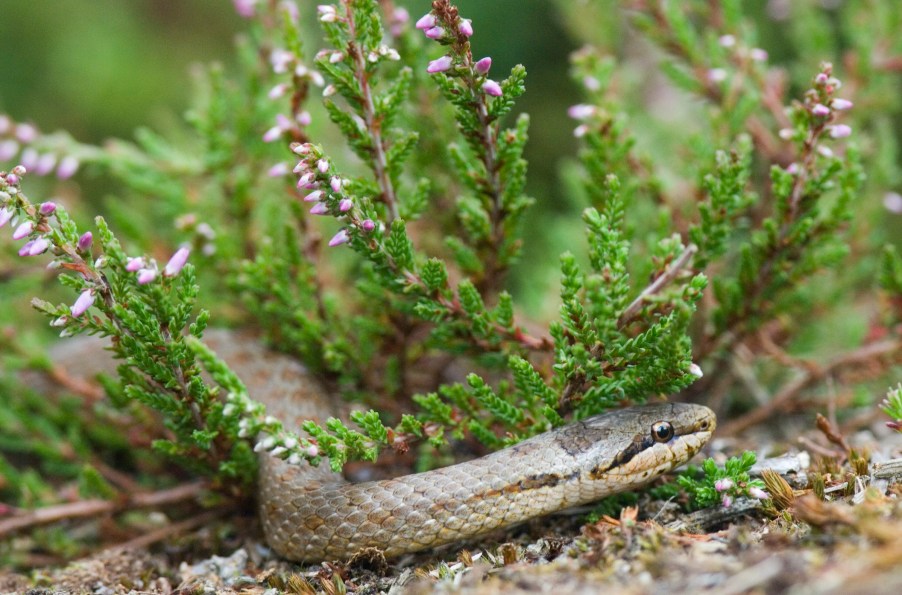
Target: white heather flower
[280, 59]
[278, 451]
[329, 90]
[293, 459]
[580, 131]
[336, 57]
[83, 302]
[695, 370]
[786, 133]
[758, 55]
[312, 450]
[290, 443]
[727, 41]
[820, 110]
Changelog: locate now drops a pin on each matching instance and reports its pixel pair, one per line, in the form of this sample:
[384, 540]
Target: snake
[311, 514]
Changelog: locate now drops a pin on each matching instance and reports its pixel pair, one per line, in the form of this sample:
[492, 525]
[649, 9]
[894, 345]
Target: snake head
[632, 446]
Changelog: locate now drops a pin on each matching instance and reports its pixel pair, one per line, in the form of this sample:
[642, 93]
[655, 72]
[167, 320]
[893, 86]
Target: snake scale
[313, 514]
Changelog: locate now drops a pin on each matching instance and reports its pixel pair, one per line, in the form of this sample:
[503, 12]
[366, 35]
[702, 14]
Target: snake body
[312, 514]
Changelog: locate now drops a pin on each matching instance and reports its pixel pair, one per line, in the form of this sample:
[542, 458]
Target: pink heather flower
[892, 202]
[84, 242]
[244, 8]
[426, 21]
[435, 32]
[277, 91]
[25, 250]
[727, 41]
[825, 151]
[322, 165]
[724, 484]
[47, 208]
[786, 133]
[314, 196]
[301, 148]
[368, 225]
[67, 167]
[39, 246]
[758, 55]
[145, 276]
[758, 493]
[581, 111]
[840, 131]
[12, 179]
[5, 215]
[8, 149]
[329, 90]
[327, 13]
[134, 264]
[340, 238]
[83, 302]
[345, 205]
[23, 230]
[821, 78]
[6, 124]
[26, 133]
[273, 134]
[717, 75]
[304, 118]
[399, 18]
[308, 180]
[45, 164]
[441, 65]
[278, 170]
[483, 65]
[319, 208]
[312, 451]
[820, 110]
[29, 158]
[465, 27]
[492, 88]
[280, 59]
[336, 57]
[580, 131]
[841, 104]
[176, 263]
[726, 501]
[335, 183]
[591, 83]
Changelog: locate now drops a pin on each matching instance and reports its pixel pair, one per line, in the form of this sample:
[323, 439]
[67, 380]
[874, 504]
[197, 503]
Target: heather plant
[710, 255]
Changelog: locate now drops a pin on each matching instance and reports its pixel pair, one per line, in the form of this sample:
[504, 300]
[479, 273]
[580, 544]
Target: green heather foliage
[366, 207]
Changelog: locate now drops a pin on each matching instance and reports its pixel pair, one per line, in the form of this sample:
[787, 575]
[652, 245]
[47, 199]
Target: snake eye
[662, 431]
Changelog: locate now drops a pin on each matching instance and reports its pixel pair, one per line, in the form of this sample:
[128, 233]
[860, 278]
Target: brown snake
[311, 513]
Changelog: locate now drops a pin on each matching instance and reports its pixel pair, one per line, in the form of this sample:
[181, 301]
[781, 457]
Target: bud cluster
[35, 151]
